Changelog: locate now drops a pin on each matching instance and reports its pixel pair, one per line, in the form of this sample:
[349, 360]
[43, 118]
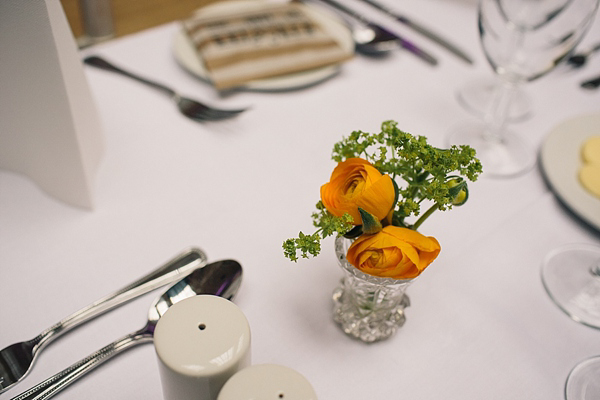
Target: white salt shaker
[200, 342]
[267, 382]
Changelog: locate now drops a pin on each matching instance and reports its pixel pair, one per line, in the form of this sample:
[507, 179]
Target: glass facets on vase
[368, 308]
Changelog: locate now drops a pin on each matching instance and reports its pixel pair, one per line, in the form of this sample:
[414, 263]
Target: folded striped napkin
[241, 44]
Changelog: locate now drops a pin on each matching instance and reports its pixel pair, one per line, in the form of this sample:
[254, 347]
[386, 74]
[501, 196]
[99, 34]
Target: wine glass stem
[496, 116]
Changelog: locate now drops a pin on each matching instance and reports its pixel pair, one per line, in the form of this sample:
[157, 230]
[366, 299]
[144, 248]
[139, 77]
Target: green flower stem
[425, 215]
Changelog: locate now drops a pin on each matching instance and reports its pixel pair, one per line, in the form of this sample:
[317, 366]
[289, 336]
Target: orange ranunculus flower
[357, 183]
[393, 252]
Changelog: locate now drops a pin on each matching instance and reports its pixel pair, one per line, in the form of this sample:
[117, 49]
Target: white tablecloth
[480, 325]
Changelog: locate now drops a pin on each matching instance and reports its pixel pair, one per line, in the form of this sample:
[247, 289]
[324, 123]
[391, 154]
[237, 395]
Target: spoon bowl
[373, 39]
[221, 278]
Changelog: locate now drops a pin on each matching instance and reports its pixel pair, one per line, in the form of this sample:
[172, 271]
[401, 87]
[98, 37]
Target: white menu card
[49, 127]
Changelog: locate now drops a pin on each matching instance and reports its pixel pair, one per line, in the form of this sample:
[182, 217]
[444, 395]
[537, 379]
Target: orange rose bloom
[356, 183]
[394, 252]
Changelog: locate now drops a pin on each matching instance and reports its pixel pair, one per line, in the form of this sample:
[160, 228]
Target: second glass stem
[496, 116]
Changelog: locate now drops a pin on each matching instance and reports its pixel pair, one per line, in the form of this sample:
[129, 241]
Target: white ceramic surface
[187, 57]
[200, 342]
[267, 382]
[561, 159]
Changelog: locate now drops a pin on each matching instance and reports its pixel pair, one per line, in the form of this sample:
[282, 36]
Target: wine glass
[522, 40]
[571, 276]
[583, 382]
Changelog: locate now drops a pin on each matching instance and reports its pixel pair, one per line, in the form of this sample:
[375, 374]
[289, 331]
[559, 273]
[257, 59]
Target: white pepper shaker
[267, 382]
[200, 342]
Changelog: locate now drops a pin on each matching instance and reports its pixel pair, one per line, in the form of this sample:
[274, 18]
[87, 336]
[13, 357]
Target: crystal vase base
[369, 324]
[366, 307]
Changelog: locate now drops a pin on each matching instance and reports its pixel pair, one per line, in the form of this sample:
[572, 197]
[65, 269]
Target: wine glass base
[508, 157]
[568, 277]
[476, 97]
[583, 382]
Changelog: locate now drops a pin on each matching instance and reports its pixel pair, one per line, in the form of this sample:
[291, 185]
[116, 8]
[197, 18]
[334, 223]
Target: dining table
[480, 324]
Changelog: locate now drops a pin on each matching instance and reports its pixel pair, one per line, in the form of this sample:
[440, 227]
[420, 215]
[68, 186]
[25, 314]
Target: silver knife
[406, 44]
[422, 30]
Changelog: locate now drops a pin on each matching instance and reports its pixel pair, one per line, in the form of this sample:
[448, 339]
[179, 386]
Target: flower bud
[458, 189]
[370, 224]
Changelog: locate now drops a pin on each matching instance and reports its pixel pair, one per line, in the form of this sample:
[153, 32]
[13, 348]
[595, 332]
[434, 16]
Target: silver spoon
[368, 39]
[17, 359]
[373, 39]
[221, 278]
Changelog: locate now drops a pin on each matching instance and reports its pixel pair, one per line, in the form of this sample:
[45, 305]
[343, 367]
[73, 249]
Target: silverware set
[17, 359]
[374, 39]
[417, 27]
[221, 278]
[192, 276]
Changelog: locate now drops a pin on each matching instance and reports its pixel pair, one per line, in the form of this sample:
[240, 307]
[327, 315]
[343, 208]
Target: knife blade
[404, 43]
[422, 30]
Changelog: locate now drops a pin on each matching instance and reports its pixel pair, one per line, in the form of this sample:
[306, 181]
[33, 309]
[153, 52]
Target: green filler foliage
[431, 176]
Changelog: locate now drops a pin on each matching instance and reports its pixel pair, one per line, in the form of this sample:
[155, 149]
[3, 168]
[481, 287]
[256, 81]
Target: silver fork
[16, 360]
[190, 108]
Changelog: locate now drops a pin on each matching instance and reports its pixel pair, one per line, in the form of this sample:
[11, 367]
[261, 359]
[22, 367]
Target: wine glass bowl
[583, 383]
[525, 39]
[571, 277]
[522, 41]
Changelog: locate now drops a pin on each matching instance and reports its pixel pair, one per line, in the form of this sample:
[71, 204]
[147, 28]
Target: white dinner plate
[187, 56]
[561, 159]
